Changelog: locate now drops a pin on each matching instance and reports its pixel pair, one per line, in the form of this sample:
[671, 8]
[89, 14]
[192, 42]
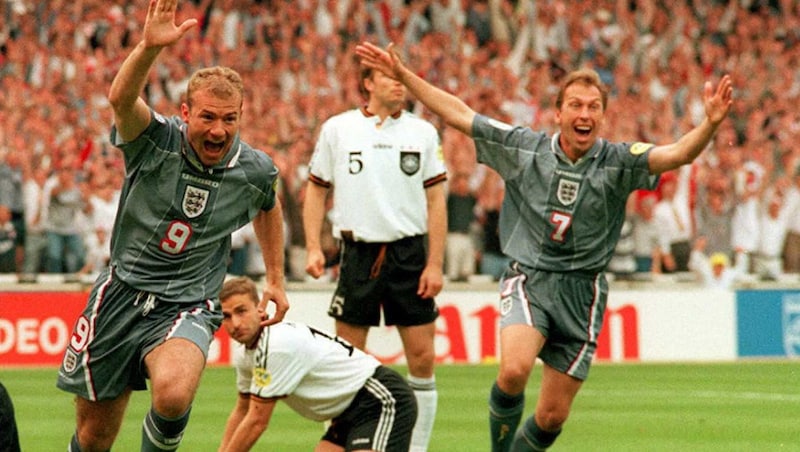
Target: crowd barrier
[644, 322]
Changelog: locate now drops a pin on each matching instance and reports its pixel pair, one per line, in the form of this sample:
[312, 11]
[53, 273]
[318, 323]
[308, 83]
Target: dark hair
[587, 77]
[239, 286]
[363, 75]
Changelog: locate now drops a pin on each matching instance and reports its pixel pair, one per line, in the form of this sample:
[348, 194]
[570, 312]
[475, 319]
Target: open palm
[719, 101]
[160, 29]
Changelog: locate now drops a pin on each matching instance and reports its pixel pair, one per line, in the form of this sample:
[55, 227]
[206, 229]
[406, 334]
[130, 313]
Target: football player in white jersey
[320, 376]
[385, 168]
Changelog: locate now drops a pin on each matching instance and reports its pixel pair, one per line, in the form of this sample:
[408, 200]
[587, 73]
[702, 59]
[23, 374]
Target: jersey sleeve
[434, 169]
[503, 147]
[266, 174]
[321, 165]
[244, 369]
[161, 133]
[280, 364]
[635, 156]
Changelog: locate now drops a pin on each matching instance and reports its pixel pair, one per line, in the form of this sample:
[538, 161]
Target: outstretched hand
[386, 61]
[718, 102]
[160, 29]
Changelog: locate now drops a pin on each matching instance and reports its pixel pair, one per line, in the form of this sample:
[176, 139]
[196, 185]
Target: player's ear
[185, 111]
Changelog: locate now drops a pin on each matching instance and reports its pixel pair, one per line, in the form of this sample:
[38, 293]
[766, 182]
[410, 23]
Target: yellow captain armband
[640, 148]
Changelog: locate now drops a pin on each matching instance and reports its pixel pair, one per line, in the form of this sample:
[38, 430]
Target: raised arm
[131, 113]
[717, 104]
[268, 226]
[451, 109]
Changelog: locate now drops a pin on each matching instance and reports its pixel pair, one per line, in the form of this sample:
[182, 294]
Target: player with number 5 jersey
[190, 182]
[385, 168]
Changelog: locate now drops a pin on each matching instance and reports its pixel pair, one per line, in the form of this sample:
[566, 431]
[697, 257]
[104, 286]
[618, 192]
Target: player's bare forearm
[432, 280]
[313, 216]
[268, 226]
[253, 425]
[131, 114]
[718, 103]
[234, 419]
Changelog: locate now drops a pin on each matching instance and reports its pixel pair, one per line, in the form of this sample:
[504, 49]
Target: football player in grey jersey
[190, 182]
[560, 221]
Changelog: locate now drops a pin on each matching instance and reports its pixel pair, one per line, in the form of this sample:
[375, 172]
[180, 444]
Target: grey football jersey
[559, 216]
[175, 217]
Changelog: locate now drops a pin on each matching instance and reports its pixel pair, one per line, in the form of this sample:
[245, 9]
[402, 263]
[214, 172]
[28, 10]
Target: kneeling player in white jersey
[320, 376]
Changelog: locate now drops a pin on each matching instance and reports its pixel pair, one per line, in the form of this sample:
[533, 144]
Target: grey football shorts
[566, 307]
[117, 329]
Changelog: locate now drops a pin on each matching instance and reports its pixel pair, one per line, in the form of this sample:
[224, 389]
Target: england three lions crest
[567, 191]
[194, 201]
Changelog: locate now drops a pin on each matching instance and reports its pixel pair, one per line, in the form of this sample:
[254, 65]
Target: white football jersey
[378, 173]
[316, 373]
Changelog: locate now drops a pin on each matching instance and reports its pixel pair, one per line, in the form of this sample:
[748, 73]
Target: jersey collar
[368, 114]
[592, 153]
[229, 161]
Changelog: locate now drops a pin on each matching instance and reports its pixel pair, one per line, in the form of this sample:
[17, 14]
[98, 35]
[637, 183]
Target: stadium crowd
[60, 177]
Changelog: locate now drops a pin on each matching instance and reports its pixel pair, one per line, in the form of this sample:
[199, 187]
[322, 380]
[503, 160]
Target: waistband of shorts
[583, 274]
[349, 237]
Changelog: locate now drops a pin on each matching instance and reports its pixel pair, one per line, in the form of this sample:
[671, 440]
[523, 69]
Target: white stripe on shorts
[387, 416]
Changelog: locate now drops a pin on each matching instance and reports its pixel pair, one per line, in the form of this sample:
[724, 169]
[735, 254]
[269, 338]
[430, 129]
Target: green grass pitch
[744, 406]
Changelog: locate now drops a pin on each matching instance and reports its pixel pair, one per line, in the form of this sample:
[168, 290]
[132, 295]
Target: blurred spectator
[459, 259]
[674, 221]
[623, 262]
[35, 238]
[791, 250]
[8, 241]
[713, 271]
[240, 250]
[748, 212]
[97, 245]
[646, 248]
[770, 239]
[62, 204]
[490, 198]
[714, 213]
[11, 197]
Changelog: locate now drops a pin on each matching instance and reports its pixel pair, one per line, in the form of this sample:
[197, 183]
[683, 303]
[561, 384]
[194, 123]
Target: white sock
[425, 391]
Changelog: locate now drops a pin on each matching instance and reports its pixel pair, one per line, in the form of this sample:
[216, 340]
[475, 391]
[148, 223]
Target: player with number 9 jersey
[176, 215]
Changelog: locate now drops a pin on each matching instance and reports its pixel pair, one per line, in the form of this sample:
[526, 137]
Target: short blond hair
[221, 81]
[239, 286]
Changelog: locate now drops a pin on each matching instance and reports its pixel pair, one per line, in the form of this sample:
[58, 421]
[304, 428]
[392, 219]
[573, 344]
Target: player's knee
[93, 438]
[421, 364]
[172, 402]
[551, 419]
[513, 376]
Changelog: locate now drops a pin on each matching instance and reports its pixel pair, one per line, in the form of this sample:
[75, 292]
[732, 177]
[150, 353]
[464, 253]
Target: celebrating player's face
[580, 118]
[240, 318]
[213, 123]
